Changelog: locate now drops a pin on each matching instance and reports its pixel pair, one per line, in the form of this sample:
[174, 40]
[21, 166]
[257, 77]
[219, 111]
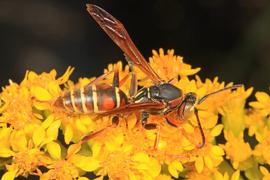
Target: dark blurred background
[227, 38]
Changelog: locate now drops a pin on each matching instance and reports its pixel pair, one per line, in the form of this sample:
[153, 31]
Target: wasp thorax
[165, 92]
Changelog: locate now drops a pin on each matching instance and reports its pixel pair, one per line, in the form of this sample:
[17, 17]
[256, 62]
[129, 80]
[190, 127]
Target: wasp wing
[129, 108]
[117, 32]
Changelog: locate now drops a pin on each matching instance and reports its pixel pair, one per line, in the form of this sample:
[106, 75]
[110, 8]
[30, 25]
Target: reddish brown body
[92, 99]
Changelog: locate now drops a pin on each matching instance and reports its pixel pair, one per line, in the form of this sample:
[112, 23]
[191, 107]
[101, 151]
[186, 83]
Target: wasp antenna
[200, 128]
[218, 91]
[172, 80]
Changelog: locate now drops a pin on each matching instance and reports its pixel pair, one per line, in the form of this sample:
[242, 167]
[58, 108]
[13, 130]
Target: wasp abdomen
[89, 99]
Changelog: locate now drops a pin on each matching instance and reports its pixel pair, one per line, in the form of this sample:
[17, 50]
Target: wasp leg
[144, 118]
[123, 80]
[99, 78]
[116, 78]
[133, 83]
[150, 126]
[116, 82]
[184, 133]
[138, 119]
[115, 122]
[200, 128]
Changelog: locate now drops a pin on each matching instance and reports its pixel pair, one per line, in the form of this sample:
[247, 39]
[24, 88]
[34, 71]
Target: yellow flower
[236, 149]
[119, 158]
[41, 149]
[167, 66]
[60, 170]
[259, 115]
[256, 121]
[261, 151]
[35, 91]
[233, 111]
[24, 147]
[17, 108]
[215, 102]
[262, 104]
[209, 156]
[28, 162]
[76, 127]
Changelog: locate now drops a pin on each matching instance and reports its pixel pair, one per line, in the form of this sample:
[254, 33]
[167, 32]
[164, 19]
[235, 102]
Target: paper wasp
[159, 99]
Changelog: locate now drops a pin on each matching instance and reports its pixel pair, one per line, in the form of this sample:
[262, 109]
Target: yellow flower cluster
[40, 139]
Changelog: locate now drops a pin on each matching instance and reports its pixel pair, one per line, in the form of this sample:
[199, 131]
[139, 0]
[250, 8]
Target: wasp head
[190, 100]
[187, 105]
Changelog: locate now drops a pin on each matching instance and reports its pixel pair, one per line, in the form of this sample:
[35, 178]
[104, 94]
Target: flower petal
[68, 134]
[199, 164]
[218, 176]
[45, 124]
[6, 152]
[31, 75]
[236, 175]
[54, 150]
[217, 130]
[38, 136]
[174, 168]
[73, 149]
[140, 157]
[18, 141]
[256, 104]
[96, 149]
[52, 130]
[208, 162]
[40, 93]
[153, 167]
[10, 175]
[264, 171]
[85, 163]
[83, 178]
[218, 151]
[262, 97]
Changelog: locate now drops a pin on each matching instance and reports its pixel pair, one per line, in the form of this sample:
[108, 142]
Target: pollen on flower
[28, 162]
[61, 170]
[17, 108]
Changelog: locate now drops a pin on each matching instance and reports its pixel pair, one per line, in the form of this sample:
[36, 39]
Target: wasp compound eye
[154, 91]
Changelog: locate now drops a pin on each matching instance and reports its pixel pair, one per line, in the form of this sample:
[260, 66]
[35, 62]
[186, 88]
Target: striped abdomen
[95, 98]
